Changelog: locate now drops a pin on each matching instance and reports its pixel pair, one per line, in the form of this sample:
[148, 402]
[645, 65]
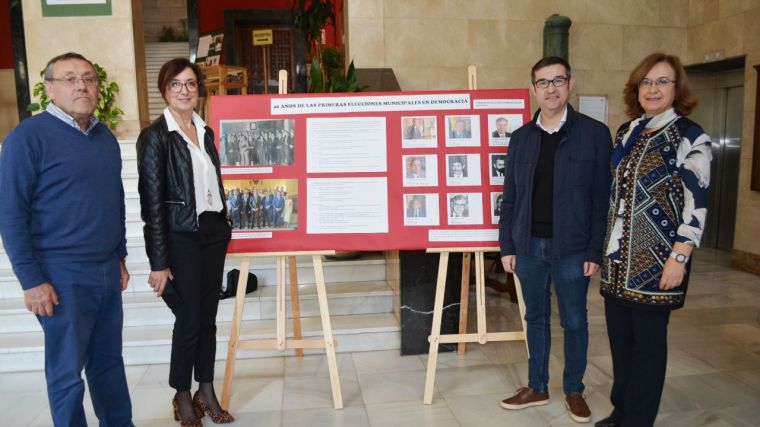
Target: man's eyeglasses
[557, 82]
[72, 81]
[661, 82]
[176, 85]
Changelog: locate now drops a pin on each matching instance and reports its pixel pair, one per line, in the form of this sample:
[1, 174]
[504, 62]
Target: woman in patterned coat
[658, 205]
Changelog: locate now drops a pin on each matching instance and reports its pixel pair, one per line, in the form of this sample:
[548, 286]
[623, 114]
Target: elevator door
[726, 144]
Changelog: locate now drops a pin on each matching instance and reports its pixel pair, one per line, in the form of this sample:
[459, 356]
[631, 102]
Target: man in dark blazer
[502, 128]
[416, 208]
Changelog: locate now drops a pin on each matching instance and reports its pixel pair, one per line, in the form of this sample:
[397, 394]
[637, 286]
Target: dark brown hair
[547, 61]
[684, 101]
[171, 69]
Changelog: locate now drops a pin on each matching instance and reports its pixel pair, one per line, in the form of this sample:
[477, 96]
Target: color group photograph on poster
[262, 204]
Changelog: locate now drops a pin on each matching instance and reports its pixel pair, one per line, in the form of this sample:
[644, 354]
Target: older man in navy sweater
[62, 224]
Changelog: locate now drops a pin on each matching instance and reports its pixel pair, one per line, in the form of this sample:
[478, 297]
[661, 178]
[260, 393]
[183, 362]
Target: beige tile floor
[713, 374]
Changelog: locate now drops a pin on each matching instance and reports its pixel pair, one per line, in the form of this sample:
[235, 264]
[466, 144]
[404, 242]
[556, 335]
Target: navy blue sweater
[61, 197]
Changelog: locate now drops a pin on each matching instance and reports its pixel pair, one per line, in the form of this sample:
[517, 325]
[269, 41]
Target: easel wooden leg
[521, 308]
[480, 296]
[237, 318]
[435, 332]
[324, 312]
[464, 299]
[294, 302]
[281, 314]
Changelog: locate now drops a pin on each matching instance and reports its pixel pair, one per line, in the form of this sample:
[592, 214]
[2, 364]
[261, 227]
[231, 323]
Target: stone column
[556, 29]
[106, 40]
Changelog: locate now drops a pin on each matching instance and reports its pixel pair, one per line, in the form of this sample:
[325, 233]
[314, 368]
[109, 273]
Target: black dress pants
[197, 263]
[639, 345]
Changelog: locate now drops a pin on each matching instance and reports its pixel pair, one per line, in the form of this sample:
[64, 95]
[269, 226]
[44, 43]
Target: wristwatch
[680, 258]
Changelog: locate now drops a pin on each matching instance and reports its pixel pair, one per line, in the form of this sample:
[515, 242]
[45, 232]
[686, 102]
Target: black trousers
[197, 263]
[639, 345]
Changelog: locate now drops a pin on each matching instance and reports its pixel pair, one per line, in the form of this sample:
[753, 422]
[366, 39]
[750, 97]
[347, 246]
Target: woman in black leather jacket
[186, 235]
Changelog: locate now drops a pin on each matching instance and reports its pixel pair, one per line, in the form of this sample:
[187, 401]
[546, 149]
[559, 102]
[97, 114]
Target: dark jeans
[85, 332]
[197, 263]
[537, 270]
[639, 345]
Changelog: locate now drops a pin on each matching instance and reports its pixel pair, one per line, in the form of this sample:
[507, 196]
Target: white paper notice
[346, 144]
[463, 235]
[347, 205]
[594, 107]
[204, 43]
[507, 104]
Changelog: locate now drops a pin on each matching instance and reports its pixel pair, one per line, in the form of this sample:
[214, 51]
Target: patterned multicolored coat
[659, 196]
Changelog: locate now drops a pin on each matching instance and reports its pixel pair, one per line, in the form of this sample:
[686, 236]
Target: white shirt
[207, 197]
[559, 126]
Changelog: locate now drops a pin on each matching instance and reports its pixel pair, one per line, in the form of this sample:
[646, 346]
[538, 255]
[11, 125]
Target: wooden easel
[482, 336]
[281, 342]
[292, 266]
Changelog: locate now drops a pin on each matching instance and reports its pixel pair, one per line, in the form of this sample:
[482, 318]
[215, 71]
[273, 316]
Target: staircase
[156, 55]
[360, 303]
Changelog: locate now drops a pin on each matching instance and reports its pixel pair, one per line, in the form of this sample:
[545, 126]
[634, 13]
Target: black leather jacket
[167, 191]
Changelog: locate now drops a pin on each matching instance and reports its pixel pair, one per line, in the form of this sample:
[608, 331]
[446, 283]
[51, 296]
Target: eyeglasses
[72, 81]
[557, 82]
[190, 85]
[661, 82]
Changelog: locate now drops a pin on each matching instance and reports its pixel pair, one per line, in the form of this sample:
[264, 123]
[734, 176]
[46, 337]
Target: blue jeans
[537, 270]
[85, 332]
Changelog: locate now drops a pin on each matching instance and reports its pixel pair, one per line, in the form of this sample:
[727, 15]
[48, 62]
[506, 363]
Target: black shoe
[607, 422]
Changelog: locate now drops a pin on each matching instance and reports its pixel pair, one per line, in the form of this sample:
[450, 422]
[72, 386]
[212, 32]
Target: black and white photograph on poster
[498, 165]
[257, 142]
[420, 170]
[262, 204]
[462, 131]
[420, 209]
[419, 132]
[465, 208]
[462, 169]
[496, 198]
[500, 128]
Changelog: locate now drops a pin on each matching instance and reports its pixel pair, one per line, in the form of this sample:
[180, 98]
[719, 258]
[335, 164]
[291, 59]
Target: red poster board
[359, 157]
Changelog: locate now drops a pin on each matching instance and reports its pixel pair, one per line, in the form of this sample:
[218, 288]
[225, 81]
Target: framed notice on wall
[209, 50]
[368, 171]
[76, 7]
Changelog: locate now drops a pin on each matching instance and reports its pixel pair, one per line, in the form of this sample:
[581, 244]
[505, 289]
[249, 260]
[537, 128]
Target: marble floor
[713, 376]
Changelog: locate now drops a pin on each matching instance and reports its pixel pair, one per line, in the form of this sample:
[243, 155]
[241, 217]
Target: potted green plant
[326, 66]
[106, 112]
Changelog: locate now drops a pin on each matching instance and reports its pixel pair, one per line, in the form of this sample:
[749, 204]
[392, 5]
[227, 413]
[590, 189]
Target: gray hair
[63, 57]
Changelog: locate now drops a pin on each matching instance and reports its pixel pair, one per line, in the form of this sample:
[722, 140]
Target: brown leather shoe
[525, 397]
[577, 407]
